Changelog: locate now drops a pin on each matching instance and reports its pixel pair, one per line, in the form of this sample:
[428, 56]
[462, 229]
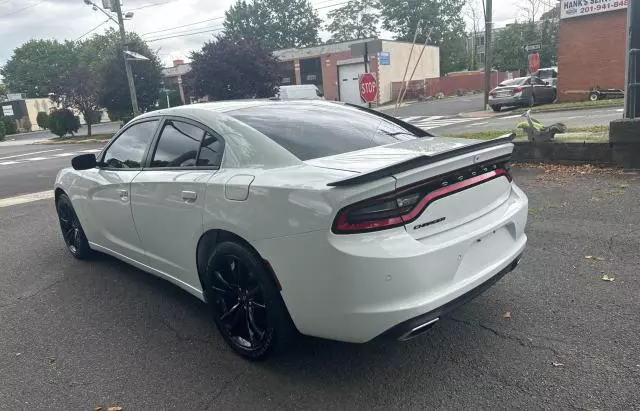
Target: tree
[3, 91]
[278, 24]
[508, 49]
[530, 9]
[103, 54]
[474, 13]
[36, 67]
[43, 120]
[81, 91]
[3, 132]
[228, 68]
[358, 19]
[443, 19]
[62, 121]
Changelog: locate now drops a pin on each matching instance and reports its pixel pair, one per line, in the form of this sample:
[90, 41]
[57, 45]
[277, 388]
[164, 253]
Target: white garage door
[348, 80]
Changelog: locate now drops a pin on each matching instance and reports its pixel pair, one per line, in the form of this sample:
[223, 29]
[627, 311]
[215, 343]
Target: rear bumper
[507, 101]
[417, 325]
[357, 287]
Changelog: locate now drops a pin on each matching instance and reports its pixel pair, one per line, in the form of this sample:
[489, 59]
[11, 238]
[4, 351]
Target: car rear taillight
[517, 90]
[407, 204]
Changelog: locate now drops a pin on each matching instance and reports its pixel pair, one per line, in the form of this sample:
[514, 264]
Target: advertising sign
[578, 8]
[7, 110]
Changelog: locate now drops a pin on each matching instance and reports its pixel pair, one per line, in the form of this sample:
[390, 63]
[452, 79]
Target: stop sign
[368, 87]
[534, 63]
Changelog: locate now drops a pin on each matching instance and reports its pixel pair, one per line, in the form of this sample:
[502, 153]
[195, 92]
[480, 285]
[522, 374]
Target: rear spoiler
[420, 162]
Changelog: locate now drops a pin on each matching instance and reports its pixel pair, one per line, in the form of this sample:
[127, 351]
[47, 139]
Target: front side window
[128, 150]
[178, 145]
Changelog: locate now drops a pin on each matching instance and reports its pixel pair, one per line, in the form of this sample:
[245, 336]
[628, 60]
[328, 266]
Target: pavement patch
[26, 198]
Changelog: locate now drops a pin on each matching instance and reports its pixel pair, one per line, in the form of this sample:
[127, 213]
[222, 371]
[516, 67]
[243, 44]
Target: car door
[168, 198]
[108, 204]
[542, 90]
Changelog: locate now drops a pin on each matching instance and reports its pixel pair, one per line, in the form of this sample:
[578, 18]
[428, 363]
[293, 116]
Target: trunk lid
[452, 181]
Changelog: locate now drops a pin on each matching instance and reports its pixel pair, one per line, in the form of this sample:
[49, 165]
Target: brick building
[591, 47]
[335, 68]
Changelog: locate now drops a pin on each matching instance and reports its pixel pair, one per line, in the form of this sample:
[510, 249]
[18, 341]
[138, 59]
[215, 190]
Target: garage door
[348, 79]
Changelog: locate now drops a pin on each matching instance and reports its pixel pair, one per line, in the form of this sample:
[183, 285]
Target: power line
[184, 25]
[150, 5]
[24, 8]
[185, 34]
[94, 29]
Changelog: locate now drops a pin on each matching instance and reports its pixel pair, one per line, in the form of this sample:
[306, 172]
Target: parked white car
[300, 92]
[333, 220]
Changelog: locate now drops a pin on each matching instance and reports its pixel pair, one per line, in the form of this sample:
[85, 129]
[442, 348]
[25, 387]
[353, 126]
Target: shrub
[10, 126]
[2, 131]
[96, 116]
[62, 121]
[43, 120]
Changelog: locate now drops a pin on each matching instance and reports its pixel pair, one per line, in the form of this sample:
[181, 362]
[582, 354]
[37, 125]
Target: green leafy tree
[108, 64]
[508, 48]
[278, 24]
[358, 19]
[37, 67]
[228, 68]
[62, 122]
[3, 91]
[3, 132]
[81, 91]
[442, 20]
[10, 126]
[43, 120]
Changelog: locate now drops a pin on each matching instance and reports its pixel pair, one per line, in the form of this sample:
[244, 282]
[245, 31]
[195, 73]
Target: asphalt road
[450, 106]
[102, 128]
[33, 168]
[77, 335]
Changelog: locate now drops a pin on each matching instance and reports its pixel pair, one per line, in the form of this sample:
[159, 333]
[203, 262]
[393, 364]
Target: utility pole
[127, 66]
[488, 27]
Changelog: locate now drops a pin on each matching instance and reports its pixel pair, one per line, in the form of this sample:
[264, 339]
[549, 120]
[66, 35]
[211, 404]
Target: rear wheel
[496, 108]
[594, 96]
[72, 231]
[247, 307]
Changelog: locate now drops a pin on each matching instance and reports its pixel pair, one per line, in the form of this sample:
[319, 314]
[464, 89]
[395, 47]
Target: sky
[22, 20]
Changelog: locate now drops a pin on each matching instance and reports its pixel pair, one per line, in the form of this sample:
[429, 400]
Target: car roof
[232, 105]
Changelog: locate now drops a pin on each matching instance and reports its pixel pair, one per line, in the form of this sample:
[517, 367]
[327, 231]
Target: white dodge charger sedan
[316, 217]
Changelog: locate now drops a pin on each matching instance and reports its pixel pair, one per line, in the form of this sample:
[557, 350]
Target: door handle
[124, 195]
[189, 196]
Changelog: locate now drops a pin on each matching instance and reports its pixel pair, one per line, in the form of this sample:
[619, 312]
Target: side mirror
[84, 162]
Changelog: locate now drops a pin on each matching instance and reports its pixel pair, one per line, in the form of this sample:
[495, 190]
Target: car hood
[367, 160]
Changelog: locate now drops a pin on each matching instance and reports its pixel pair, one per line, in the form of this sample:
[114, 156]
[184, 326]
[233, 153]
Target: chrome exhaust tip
[416, 331]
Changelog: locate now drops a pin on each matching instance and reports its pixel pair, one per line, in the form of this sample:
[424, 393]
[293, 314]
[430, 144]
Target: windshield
[314, 131]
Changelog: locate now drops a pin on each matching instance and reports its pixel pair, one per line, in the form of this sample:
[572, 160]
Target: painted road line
[26, 198]
[409, 119]
[508, 117]
[480, 123]
[91, 150]
[64, 154]
[30, 154]
[6, 163]
[36, 158]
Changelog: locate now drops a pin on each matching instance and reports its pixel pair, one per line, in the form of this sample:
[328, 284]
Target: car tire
[496, 108]
[245, 302]
[594, 97]
[72, 232]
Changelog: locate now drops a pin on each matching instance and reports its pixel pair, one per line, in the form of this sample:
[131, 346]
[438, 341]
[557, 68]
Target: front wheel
[594, 96]
[247, 306]
[496, 108]
[72, 231]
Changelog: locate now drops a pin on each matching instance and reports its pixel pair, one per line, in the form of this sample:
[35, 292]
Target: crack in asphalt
[27, 295]
[234, 378]
[528, 343]
[183, 338]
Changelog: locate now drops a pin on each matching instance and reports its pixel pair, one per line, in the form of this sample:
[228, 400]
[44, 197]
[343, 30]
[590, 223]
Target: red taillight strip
[342, 226]
[448, 190]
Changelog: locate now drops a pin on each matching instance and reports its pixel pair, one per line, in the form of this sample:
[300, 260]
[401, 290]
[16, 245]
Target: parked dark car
[521, 91]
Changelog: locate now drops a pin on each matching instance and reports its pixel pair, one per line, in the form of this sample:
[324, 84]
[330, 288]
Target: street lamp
[115, 5]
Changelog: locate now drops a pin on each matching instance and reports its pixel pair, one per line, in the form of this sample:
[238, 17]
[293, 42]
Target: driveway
[77, 335]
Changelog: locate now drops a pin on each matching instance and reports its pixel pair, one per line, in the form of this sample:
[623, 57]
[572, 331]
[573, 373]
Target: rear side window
[313, 131]
[514, 82]
[178, 145]
[211, 151]
[127, 151]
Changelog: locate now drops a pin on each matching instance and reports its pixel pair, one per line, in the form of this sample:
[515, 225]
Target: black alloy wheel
[245, 301]
[72, 232]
